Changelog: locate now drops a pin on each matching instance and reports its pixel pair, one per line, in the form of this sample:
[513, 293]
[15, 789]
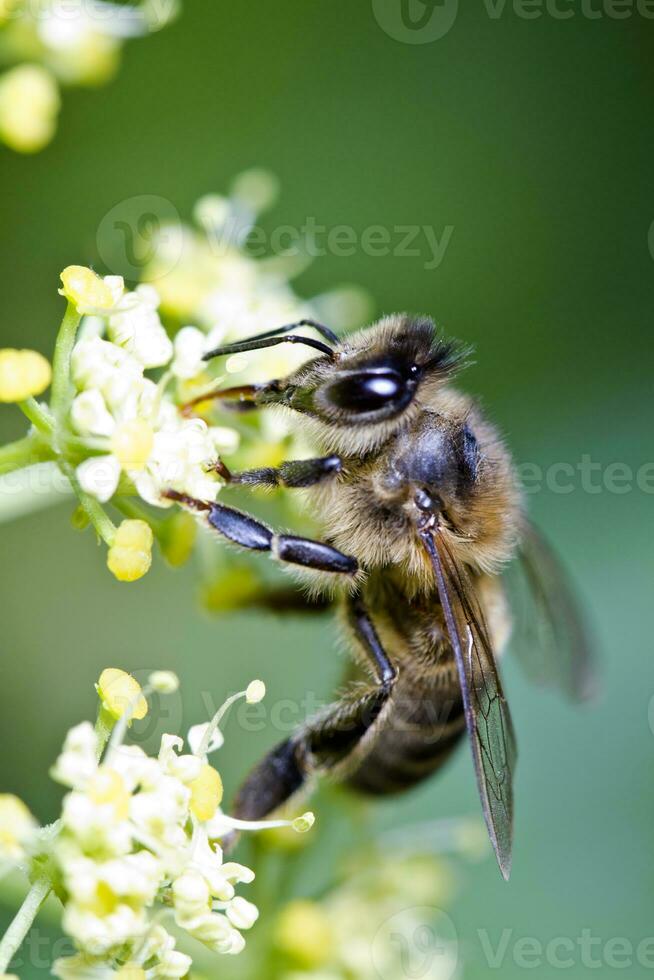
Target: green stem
[22, 922]
[61, 362]
[135, 512]
[40, 419]
[17, 455]
[104, 725]
[93, 510]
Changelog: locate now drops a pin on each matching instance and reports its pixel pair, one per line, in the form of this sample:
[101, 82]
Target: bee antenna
[270, 338]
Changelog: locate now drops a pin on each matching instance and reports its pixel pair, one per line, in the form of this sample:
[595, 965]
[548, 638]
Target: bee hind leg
[326, 741]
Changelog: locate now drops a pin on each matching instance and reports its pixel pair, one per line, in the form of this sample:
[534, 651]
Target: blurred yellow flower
[177, 537]
[91, 59]
[7, 8]
[118, 690]
[16, 823]
[303, 933]
[130, 556]
[29, 104]
[23, 373]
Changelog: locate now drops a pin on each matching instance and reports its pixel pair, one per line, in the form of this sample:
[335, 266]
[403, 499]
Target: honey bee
[422, 510]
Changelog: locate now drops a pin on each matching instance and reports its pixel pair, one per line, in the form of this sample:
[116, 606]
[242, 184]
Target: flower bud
[256, 691]
[304, 823]
[304, 933]
[191, 894]
[118, 690]
[130, 555]
[177, 537]
[164, 681]
[241, 913]
[23, 373]
[88, 292]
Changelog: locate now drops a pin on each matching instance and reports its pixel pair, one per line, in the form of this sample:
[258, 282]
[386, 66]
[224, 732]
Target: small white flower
[77, 762]
[164, 681]
[241, 913]
[190, 345]
[95, 826]
[196, 735]
[97, 363]
[161, 810]
[99, 476]
[99, 933]
[186, 768]
[89, 414]
[138, 328]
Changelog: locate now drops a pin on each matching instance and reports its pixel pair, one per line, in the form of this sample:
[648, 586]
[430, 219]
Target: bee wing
[488, 720]
[556, 648]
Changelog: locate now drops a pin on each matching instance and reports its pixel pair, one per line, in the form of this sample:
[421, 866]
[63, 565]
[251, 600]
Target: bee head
[360, 390]
[363, 392]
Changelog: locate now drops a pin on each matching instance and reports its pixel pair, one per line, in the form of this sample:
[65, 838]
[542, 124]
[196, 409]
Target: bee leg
[326, 740]
[281, 600]
[364, 629]
[292, 474]
[249, 533]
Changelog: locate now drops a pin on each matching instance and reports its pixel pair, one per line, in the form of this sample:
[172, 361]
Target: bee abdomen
[410, 748]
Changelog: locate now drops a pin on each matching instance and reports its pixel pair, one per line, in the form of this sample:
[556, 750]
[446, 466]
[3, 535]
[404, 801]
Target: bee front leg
[246, 531]
[293, 474]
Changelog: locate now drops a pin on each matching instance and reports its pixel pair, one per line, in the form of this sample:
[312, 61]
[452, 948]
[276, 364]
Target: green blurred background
[534, 140]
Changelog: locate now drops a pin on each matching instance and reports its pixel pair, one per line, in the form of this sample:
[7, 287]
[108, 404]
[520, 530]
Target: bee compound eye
[367, 392]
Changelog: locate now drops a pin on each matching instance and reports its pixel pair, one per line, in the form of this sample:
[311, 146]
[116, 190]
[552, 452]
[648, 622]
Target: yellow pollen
[206, 793]
[117, 690]
[131, 444]
[85, 290]
[107, 786]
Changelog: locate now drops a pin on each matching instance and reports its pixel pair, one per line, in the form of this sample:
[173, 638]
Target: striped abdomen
[418, 732]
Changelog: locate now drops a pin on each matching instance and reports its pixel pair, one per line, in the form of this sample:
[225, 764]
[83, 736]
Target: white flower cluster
[138, 840]
[130, 421]
[206, 274]
[61, 42]
[132, 833]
